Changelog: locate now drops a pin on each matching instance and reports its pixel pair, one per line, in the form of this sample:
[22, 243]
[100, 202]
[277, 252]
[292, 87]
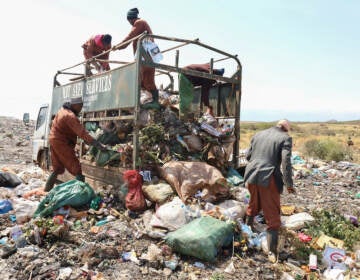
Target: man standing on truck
[94, 46]
[147, 74]
[65, 129]
[269, 150]
[203, 82]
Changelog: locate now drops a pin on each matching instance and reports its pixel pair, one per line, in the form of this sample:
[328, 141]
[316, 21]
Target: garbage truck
[115, 96]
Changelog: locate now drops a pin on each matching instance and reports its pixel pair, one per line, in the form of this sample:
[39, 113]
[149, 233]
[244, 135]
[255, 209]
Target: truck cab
[114, 95]
[40, 148]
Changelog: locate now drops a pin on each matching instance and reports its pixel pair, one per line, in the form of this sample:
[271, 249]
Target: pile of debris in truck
[164, 137]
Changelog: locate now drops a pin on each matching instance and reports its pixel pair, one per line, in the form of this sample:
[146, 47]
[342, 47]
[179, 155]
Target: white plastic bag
[297, 221]
[145, 97]
[170, 215]
[24, 209]
[153, 50]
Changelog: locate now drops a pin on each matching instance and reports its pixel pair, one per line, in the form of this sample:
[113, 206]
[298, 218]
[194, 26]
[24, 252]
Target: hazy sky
[300, 58]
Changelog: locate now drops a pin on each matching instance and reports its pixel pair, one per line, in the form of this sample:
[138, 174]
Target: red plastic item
[58, 220]
[304, 238]
[135, 200]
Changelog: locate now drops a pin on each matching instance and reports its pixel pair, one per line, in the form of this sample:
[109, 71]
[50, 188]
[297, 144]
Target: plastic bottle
[17, 235]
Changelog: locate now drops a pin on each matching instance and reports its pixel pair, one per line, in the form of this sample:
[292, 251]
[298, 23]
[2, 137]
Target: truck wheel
[43, 161]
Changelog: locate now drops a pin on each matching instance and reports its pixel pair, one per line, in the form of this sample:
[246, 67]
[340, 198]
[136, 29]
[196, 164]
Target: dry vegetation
[336, 133]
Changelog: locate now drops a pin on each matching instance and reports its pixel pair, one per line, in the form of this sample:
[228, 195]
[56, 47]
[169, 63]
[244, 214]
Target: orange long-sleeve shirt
[91, 49]
[66, 127]
[139, 27]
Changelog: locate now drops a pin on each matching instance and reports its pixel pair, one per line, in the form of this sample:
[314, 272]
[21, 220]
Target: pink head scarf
[98, 41]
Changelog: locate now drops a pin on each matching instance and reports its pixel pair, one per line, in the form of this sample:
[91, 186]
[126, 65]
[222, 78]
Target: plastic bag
[158, 193]
[171, 215]
[104, 157]
[5, 206]
[233, 177]
[298, 221]
[24, 209]
[201, 238]
[153, 50]
[135, 200]
[73, 193]
[145, 97]
[9, 180]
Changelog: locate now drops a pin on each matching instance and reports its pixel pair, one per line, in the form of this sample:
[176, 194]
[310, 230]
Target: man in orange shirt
[147, 74]
[65, 129]
[96, 45]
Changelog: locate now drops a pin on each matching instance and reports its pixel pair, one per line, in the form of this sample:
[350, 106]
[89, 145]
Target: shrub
[326, 150]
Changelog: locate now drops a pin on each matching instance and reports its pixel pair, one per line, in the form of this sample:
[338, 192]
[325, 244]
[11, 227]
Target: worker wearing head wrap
[269, 168]
[147, 74]
[65, 129]
[96, 45]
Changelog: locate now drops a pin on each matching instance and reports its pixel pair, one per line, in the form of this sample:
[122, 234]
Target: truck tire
[43, 160]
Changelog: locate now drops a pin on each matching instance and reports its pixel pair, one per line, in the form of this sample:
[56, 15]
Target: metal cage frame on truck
[122, 82]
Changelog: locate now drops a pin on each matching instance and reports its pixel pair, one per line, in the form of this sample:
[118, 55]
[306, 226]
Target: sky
[300, 59]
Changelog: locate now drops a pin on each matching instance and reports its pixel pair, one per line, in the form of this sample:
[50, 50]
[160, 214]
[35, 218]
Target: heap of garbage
[15, 140]
[145, 228]
[164, 137]
[182, 219]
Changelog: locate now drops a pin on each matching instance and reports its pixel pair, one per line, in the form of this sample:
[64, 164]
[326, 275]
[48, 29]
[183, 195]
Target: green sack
[186, 92]
[73, 193]
[201, 238]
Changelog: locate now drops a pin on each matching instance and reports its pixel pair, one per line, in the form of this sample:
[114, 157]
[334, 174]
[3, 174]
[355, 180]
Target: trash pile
[15, 140]
[164, 137]
[185, 222]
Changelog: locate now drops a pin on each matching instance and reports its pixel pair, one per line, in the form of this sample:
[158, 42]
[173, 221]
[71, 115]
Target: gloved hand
[99, 145]
[291, 190]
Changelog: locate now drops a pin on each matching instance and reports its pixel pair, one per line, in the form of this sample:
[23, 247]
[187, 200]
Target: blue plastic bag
[5, 206]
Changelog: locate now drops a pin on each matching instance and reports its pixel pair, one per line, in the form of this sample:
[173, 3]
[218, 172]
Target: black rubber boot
[272, 237]
[80, 177]
[50, 181]
[249, 220]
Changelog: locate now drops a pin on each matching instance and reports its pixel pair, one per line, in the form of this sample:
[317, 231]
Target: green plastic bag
[91, 126]
[104, 157]
[201, 238]
[233, 177]
[73, 193]
[186, 91]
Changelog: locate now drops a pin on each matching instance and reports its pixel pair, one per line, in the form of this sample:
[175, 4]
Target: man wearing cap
[268, 169]
[65, 129]
[147, 74]
[94, 46]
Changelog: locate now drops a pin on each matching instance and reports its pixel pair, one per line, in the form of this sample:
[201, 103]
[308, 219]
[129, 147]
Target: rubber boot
[80, 177]
[50, 181]
[249, 220]
[272, 237]
[154, 105]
